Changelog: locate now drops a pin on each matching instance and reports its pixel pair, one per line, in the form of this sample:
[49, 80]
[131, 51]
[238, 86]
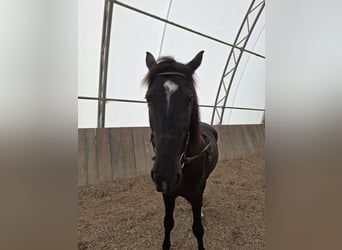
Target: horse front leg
[169, 202]
[197, 227]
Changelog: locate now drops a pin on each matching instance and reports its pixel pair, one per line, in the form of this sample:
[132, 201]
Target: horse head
[173, 116]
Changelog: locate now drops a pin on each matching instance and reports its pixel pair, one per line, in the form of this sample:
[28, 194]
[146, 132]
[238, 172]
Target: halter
[170, 73]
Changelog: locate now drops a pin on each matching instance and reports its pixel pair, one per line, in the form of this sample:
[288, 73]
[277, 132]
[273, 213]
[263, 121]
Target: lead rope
[187, 160]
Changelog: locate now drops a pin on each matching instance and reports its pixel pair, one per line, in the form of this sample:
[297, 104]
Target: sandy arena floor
[128, 213]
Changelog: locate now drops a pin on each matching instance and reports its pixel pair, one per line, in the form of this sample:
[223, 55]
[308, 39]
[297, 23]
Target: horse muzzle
[166, 184]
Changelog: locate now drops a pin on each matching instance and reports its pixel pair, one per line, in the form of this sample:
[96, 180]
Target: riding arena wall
[105, 154]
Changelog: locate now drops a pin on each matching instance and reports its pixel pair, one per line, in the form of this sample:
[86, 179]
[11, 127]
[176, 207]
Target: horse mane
[165, 64]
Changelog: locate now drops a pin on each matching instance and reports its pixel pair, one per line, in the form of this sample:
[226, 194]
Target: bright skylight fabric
[133, 34]
[90, 16]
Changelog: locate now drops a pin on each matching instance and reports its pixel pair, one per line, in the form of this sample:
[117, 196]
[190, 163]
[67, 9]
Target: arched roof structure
[113, 41]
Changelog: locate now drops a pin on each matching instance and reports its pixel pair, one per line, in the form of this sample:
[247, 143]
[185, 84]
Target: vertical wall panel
[90, 141]
[148, 149]
[248, 139]
[103, 156]
[115, 151]
[139, 150]
[127, 151]
[82, 158]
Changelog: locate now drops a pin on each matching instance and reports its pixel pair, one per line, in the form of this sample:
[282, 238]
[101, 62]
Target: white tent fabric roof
[133, 34]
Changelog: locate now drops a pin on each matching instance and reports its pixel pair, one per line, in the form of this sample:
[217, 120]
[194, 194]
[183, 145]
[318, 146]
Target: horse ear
[196, 62]
[149, 60]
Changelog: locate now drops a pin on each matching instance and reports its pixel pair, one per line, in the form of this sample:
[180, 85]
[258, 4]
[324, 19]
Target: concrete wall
[108, 153]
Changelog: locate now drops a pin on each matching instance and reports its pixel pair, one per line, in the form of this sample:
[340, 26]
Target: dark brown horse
[185, 149]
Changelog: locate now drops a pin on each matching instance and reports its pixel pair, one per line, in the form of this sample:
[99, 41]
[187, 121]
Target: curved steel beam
[234, 60]
[182, 27]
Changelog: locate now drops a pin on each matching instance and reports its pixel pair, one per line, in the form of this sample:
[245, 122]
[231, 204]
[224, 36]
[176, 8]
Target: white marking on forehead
[170, 88]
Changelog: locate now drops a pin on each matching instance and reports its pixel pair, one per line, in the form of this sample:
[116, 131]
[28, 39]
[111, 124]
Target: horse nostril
[152, 175]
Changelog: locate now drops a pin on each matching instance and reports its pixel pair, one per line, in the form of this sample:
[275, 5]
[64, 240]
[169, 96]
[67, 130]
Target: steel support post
[106, 30]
